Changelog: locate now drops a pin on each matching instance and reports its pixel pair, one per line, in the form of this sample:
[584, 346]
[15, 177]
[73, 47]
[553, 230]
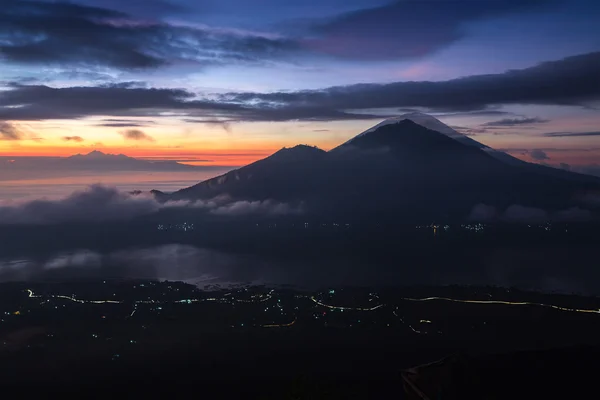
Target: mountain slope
[398, 169]
[278, 176]
[430, 122]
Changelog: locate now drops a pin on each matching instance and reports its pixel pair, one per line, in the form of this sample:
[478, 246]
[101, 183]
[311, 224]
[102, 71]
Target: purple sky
[220, 80]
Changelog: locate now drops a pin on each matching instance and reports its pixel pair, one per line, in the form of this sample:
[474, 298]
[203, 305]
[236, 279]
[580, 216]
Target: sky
[224, 83]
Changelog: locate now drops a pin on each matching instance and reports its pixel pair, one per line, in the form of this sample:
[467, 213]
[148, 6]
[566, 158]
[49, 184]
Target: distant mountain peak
[98, 155]
[298, 152]
[419, 118]
[305, 148]
[97, 159]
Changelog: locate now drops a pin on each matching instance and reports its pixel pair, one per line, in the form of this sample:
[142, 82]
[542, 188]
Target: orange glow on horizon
[217, 157]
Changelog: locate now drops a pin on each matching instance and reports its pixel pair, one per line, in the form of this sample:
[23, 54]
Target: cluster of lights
[184, 227]
[473, 227]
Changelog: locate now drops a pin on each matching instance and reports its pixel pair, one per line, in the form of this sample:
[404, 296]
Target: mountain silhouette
[400, 167]
[97, 160]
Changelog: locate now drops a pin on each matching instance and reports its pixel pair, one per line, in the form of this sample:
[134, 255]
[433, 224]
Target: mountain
[277, 176]
[434, 124]
[412, 166]
[99, 161]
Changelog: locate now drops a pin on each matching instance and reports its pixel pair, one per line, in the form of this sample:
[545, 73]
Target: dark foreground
[154, 339]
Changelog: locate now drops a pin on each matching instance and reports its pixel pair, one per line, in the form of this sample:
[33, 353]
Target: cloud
[517, 213]
[469, 131]
[101, 203]
[39, 32]
[405, 29]
[122, 125]
[40, 102]
[78, 139]
[539, 155]
[266, 207]
[483, 213]
[591, 169]
[591, 199]
[98, 203]
[226, 206]
[573, 80]
[574, 214]
[136, 134]
[9, 131]
[516, 121]
[569, 81]
[571, 134]
[223, 123]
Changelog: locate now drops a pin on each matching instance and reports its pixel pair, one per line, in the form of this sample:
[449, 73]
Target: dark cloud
[136, 134]
[406, 29]
[516, 121]
[572, 80]
[40, 102]
[98, 203]
[571, 134]
[223, 123]
[122, 125]
[73, 139]
[539, 155]
[517, 213]
[550, 149]
[565, 166]
[569, 81]
[140, 8]
[477, 113]
[574, 214]
[9, 131]
[483, 213]
[38, 32]
[320, 130]
[592, 169]
[469, 131]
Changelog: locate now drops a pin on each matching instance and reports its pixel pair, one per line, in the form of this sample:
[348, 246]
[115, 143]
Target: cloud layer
[406, 29]
[570, 81]
[516, 121]
[517, 213]
[61, 33]
[96, 204]
[100, 203]
[135, 34]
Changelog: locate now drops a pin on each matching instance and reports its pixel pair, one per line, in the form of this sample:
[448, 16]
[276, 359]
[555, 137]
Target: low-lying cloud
[517, 213]
[256, 207]
[100, 203]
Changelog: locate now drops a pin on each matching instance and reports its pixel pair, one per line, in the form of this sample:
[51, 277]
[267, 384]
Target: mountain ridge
[398, 167]
[97, 159]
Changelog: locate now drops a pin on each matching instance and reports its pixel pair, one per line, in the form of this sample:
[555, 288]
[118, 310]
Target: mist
[503, 266]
